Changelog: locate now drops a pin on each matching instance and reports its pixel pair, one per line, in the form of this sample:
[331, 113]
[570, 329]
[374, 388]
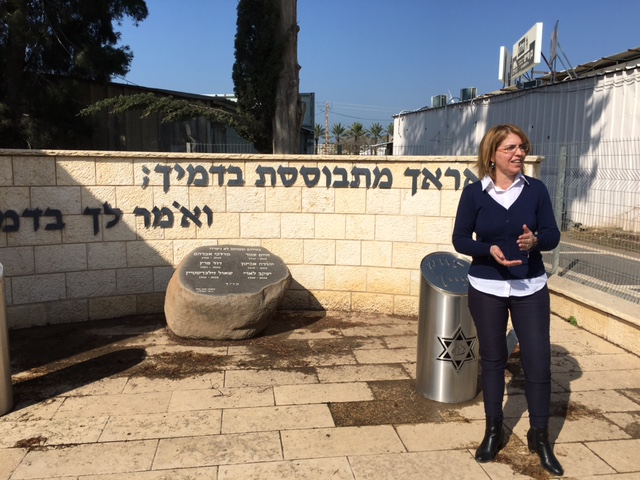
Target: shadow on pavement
[41, 387]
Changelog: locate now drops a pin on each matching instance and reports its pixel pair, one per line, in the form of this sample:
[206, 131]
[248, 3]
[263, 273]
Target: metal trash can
[447, 368]
[6, 392]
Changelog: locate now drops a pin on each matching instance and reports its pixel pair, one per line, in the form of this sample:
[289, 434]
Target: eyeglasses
[512, 148]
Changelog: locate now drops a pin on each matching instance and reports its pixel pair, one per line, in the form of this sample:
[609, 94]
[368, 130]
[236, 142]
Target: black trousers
[530, 317]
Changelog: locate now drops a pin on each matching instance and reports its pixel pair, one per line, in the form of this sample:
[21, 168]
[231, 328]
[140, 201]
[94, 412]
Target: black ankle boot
[538, 440]
[492, 442]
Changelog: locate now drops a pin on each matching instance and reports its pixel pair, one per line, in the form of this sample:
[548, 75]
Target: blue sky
[371, 59]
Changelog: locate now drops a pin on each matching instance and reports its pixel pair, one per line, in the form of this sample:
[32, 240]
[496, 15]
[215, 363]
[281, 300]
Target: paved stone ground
[318, 396]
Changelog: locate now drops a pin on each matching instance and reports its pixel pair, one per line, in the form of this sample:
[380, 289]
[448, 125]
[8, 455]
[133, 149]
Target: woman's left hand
[527, 241]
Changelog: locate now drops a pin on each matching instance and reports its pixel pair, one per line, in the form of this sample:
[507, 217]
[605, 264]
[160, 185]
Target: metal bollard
[6, 391]
[447, 365]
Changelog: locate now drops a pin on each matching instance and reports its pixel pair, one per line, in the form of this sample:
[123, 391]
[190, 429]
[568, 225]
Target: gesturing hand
[496, 253]
[527, 240]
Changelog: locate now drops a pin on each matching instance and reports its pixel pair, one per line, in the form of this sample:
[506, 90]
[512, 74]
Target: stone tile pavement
[318, 396]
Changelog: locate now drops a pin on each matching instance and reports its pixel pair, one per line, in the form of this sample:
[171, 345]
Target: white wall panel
[594, 115]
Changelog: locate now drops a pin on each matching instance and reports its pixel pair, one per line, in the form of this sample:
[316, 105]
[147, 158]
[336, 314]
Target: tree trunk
[289, 110]
[16, 47]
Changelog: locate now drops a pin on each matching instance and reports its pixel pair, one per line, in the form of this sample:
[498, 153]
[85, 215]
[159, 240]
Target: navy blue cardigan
[494, 225]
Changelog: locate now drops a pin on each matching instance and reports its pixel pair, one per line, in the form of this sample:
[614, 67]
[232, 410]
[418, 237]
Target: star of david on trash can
[457, 349]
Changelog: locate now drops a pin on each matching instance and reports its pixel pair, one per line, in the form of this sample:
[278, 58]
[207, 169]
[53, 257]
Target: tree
[356, 132]
[338, 131]
[265, 75]
[45, 47]
[375, 131]
[289, 107]
[255, 71]
[390, 132]
[170, 108]
[318, 132]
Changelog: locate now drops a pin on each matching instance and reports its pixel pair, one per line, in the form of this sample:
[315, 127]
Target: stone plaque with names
[225, 292]
[229, 269]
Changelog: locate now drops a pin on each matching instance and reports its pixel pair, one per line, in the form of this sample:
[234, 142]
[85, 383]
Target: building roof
[222, 102]
[612, 63]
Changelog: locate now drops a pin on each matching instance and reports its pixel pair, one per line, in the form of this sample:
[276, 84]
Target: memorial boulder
[225, 292]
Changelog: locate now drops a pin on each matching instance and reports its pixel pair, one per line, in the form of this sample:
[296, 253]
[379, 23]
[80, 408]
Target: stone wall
[94, 235]
[609, 317]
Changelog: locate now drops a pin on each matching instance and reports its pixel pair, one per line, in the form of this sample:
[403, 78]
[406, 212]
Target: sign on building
[527, 52]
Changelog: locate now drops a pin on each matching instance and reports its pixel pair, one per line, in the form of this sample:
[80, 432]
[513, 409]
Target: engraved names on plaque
[229, 269]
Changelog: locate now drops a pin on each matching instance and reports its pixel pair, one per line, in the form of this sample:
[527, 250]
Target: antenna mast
[555, 46]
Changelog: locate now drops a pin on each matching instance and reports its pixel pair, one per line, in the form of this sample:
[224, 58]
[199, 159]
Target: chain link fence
[595, 189]
[220, 148]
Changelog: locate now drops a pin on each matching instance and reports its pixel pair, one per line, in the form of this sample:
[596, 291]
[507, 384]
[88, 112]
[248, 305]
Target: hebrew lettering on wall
[198, 176]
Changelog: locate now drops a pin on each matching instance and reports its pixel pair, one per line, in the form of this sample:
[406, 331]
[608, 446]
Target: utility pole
[326, 128]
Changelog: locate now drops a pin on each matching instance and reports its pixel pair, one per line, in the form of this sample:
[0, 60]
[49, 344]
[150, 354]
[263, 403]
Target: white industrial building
[601, 104]
[588, 117]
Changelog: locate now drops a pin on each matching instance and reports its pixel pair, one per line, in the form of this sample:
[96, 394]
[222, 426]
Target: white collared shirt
[507, 288]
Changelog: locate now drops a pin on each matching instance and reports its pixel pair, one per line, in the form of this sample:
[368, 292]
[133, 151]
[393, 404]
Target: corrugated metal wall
[596, 120]
[586, 110]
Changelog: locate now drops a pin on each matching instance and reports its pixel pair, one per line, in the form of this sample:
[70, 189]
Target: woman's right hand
[496, 253]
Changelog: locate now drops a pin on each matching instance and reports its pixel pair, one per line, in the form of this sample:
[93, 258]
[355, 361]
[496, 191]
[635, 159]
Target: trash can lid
[446, 271]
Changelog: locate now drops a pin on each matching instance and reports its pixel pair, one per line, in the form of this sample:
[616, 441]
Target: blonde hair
[489, 145]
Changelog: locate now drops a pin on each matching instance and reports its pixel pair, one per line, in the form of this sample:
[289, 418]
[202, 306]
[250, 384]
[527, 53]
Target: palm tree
[318, 132]
[390, 132]
[356, 132]
[338, 131]
[375, 131]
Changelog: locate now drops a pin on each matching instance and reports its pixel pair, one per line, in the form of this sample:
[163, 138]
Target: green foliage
[375, 131]
[338, 131]
[45, 47]
[356, 135]
[318, 132]
[171, 109]
[258, 64]
[572, 320]
[356, 131]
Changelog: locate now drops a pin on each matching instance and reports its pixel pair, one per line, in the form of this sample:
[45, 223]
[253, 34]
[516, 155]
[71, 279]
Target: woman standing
[504, 221]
